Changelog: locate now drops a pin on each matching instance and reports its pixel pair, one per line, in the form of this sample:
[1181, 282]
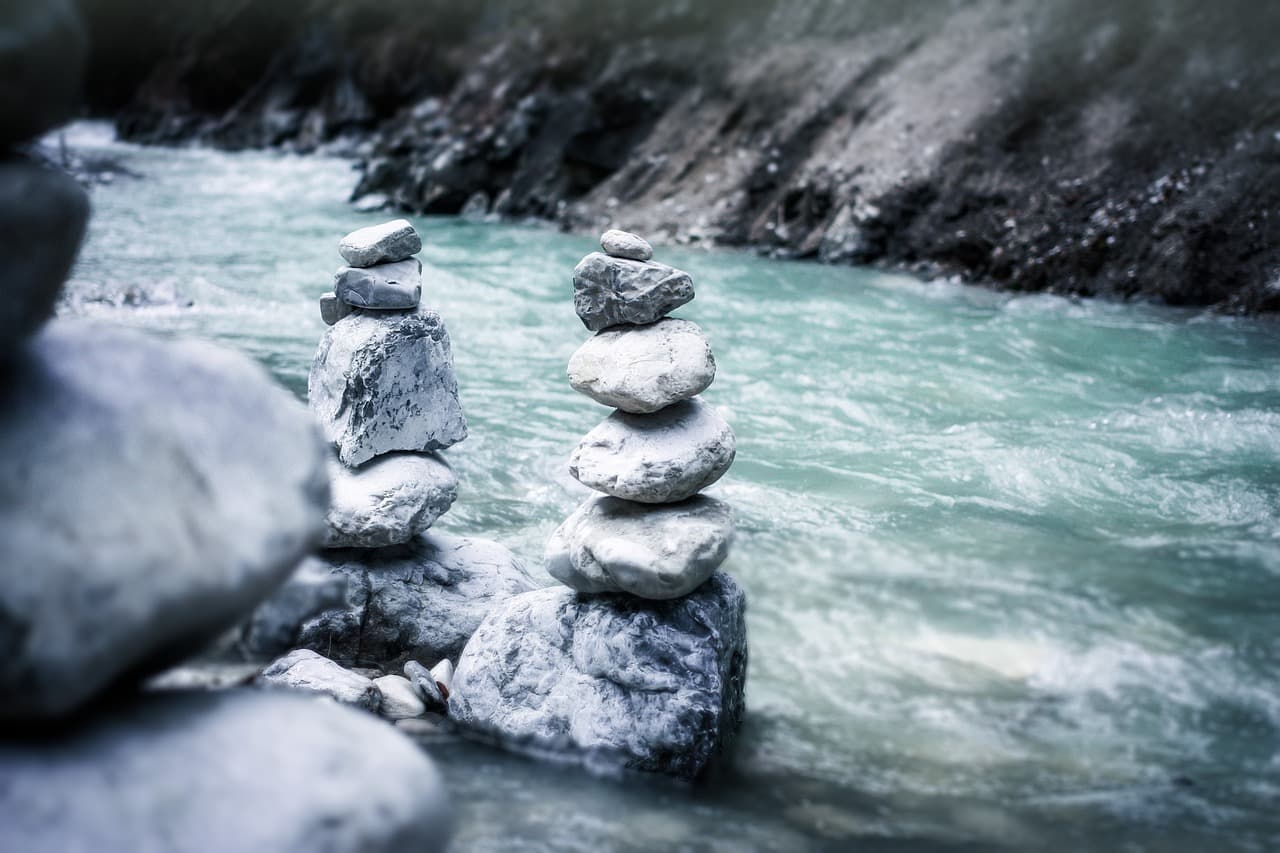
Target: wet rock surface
[386, 287]
[149, 550]
[245, 770]
[655, 686]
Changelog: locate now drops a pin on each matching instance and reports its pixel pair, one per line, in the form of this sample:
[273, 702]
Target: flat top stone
[624, 244]
[386, 242]
[608, 291]
[388, 287]
[642, 369]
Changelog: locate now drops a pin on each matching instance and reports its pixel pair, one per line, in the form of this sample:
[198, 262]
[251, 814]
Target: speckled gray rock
[624, 244]
[419, 600]
[425, 683]
[137, 520]
[642, 369]
[332, 309]
[42, 219]
[386, 287]
[659, 458]
[608, 291]
[247, 770]
[387, 500]
[383, 382]
[273, 626]
[303, 669]
[43, 51]
[384, 243]
[663, 551]
[400, 700]
[655, 685]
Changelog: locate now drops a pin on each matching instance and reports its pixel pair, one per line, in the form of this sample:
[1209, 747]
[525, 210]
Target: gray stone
[624, 244]
[385, 243]
[245, 770]
[151, 494]
[303, 669]
[424, 682]
[608, 291]
[386, 287]
[641, 369]
[384, 382]
[400, 700]
[42, 219]
[659, 458]
[332, 309]
[273, 627]
[419, 600]
[654, 685]
[387, 499]
[665, 551]
[44, 47]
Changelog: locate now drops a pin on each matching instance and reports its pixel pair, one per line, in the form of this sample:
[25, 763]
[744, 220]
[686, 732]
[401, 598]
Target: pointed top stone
[624, 244]
[380, 244]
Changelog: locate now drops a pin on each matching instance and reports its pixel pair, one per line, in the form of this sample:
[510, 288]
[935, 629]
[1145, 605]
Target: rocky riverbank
[1077, 148]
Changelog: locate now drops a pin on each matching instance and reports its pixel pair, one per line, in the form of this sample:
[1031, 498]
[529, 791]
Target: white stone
[387, 499]
[663, 551]
[659, 458]
[400, 700]
[385, 243]
[641, 369]
[443, 674]
[624, 244]
[304, 669]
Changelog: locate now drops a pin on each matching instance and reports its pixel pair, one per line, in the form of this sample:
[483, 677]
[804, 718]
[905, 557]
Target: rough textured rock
[624, 244]
[420, 600]
[246, 770]
[612, 545]
[42, 219]
[384, 382]
[400, 699]
[642, 369]
[385, 243]
[303, 669]
[332, 309]
[43, 51]
[1082, 146]
[151, 493]
[273, 625]
[386, 287]
[659, 458]
[656, 685]
[425, 683]
[387, 500]
[608, 291]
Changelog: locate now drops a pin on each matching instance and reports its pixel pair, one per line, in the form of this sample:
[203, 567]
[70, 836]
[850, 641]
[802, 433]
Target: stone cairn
[643, 657]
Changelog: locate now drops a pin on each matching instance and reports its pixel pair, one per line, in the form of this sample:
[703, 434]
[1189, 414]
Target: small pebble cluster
[650, 533]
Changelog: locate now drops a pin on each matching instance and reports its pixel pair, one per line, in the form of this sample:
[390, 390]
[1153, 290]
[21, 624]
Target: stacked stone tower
[640, 657]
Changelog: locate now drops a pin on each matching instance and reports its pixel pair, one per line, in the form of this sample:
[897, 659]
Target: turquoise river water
[1013, 562]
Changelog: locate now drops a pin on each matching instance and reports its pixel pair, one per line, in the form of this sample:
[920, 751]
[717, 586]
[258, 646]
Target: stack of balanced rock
[384, 591]
[643, 658]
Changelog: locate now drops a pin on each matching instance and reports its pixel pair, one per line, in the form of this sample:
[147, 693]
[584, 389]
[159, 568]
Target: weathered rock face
[642, 369]
[244, 770]
[386, 287]
[305, 670]
[151, 493]
[1078, 146]
[420, 600]
[385, 243]
[659, 458]
[655, 685]
[665, 551]
[43, 51]
[387, 500]
[42, 218]
[382, 382]
[608, 291]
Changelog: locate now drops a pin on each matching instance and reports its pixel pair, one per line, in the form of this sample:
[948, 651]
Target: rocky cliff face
[1082, 147]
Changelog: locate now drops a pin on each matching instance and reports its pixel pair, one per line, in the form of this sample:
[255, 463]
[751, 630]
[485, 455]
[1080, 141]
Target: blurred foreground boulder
[244, 770]
[151, 494]
[43, 50]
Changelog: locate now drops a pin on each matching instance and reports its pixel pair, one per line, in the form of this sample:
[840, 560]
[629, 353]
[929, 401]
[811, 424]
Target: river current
[1012, 562]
